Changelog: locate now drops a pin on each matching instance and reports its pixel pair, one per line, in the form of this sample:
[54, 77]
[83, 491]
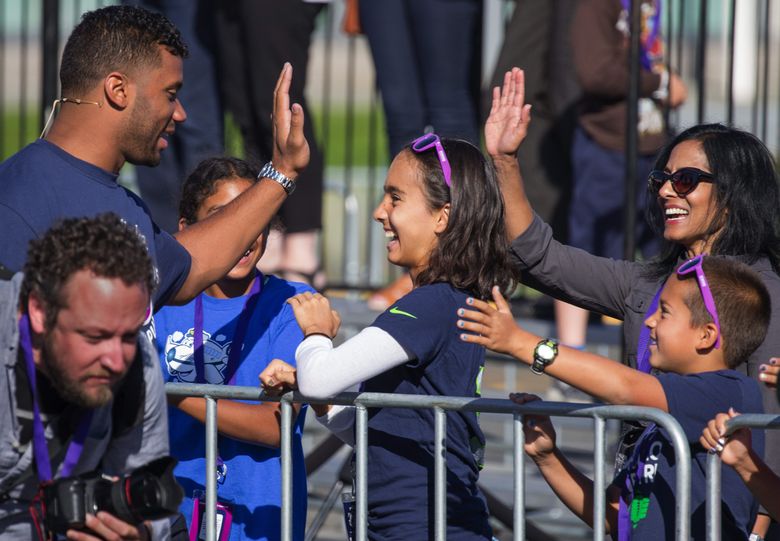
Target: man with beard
[81, 389]
[120, 73]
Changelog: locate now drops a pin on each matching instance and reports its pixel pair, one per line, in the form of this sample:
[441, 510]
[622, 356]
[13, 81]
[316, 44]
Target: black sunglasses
[684, 180]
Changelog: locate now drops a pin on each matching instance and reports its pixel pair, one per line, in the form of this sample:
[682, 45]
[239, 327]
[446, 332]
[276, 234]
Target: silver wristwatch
[269, 171]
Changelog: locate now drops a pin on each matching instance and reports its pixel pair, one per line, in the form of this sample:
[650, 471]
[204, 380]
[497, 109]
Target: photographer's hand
[106, 526]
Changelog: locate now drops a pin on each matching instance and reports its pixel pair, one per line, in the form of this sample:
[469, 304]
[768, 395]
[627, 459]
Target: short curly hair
[115, 38]
[105, 245]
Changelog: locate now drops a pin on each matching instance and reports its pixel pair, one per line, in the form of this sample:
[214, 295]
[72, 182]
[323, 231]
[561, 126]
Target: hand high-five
[291, 150]
[507, 124]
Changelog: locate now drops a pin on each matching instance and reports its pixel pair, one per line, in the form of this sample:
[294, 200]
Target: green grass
[14, 136]
[362, 150]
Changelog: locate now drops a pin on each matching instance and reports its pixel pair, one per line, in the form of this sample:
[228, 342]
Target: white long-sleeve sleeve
[324, 371]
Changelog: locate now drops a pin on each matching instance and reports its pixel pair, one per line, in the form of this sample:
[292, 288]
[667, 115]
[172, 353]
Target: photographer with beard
[81, 389]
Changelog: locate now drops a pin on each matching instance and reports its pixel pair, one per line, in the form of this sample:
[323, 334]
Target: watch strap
[269, 171]
[540, 363]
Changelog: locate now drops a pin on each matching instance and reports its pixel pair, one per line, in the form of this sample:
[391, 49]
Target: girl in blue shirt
[226, 336]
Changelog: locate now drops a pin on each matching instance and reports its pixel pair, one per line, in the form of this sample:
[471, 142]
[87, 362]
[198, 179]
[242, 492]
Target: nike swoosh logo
[396, 311]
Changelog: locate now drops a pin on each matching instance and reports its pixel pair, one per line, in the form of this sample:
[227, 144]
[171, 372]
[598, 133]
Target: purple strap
[642, 349]
[238, 337]
[40, 450]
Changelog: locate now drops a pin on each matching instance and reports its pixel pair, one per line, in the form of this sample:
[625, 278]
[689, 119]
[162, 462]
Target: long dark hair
[747, 197]
[472, 252]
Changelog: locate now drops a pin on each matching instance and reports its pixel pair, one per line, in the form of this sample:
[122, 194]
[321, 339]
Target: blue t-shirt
[401, 441]
[42, 184]
[693, 400]
[253, 482]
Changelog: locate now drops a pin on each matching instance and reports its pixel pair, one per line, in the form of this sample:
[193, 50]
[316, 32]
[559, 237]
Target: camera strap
[40, 449]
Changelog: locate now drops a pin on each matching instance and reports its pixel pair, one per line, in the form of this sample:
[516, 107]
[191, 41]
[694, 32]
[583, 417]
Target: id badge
[348, 499]
[198, 524]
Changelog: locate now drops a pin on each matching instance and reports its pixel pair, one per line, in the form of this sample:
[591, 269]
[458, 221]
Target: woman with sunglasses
[714, 190]
[443, 217]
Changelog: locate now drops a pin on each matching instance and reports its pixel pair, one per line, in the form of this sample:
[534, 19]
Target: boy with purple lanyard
[711, 315]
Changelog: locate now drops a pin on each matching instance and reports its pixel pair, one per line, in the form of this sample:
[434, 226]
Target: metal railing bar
[519, 477]
[361, 474]
[599, 488]
[440, 474]
[211, 468]
[713, 497]
[286, 461]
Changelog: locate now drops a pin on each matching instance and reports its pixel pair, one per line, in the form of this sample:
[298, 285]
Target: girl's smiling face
[687, 219]
[410, 225]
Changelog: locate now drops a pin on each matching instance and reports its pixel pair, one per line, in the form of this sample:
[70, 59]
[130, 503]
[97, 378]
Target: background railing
[727, 51]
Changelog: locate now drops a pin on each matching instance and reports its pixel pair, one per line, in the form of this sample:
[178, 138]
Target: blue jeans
[426, 54]
[598, 199]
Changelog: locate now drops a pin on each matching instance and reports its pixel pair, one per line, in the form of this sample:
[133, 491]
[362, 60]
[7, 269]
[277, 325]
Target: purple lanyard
[649, 34]
[627, 494]
[238, 337]
[642, 349]
[40, 450]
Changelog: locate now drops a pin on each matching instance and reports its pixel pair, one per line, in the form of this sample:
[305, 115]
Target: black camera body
[147, 493]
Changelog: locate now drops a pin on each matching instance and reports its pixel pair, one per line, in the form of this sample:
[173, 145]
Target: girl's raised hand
[537, 429]
[507, 124]
[494, 328]
[314, 315]
[278, 377]
[734, 449]
[768, 373]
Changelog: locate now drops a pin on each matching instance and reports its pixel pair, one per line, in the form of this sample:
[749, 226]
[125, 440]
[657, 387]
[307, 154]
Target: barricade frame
[440, 405]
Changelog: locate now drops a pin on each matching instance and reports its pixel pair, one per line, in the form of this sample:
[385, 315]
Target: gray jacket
[620, 289]
[113, 455]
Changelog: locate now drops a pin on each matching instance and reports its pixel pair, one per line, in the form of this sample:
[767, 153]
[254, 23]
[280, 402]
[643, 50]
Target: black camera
[148, 493]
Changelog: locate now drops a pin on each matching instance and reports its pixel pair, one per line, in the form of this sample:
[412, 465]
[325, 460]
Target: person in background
[426, 54]
[255, 39]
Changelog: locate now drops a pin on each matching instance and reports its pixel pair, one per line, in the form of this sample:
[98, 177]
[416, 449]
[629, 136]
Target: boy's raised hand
[494, 328]
[314, 315]
[291, 149]
[734, 450]
[538, 430]
[507, 123]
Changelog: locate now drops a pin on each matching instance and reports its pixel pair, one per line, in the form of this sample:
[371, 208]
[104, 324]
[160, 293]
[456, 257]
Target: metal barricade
[440, 405]
[747, 420]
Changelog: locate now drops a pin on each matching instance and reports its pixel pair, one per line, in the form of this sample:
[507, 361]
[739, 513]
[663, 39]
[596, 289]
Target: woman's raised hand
[507, 124]
[768, 372]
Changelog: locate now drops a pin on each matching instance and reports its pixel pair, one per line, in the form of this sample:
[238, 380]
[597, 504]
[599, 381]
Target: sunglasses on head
[684, 180]
[431, 140]
[695, 265]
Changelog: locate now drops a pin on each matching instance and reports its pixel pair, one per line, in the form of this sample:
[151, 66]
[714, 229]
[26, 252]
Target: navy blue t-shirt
[401, 441]
[693, 400]
[42, 184]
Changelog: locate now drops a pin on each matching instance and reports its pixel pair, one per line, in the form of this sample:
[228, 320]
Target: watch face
[545, 352]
